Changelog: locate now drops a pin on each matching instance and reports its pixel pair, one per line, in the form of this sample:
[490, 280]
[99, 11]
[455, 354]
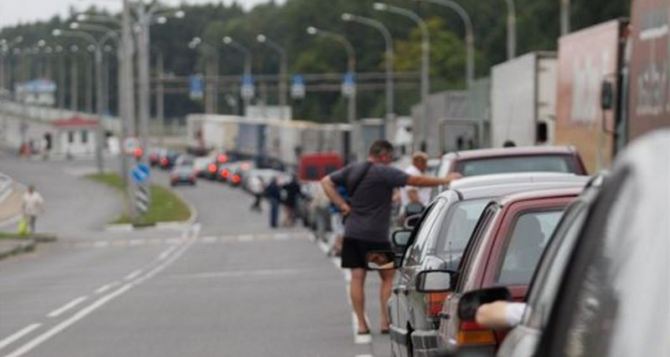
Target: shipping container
[523, 100]
[649, 68]
[587, 59]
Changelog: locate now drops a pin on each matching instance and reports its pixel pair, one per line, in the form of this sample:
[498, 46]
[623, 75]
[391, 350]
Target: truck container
[217, 132]
[586, 59]
[523, 100]
[649, 69]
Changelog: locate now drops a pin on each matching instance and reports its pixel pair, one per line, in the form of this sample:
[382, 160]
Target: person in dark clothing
[292, 191]
[273, 194]
[370, 185]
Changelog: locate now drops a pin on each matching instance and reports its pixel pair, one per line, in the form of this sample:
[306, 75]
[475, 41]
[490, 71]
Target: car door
[401, 305]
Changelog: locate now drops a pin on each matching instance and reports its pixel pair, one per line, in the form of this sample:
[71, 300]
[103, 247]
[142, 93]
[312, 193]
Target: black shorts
[354, 252]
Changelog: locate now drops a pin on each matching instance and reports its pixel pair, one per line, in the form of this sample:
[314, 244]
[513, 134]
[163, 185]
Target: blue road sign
[140, 173]
[298, 87]
[349, 84]
[197, 87]
[247, 90]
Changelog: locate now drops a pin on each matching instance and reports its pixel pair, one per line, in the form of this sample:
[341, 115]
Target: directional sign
[197, 87]
[298, 87]
[142, 199]
[247, 90]
[349, 85]
[140, 173]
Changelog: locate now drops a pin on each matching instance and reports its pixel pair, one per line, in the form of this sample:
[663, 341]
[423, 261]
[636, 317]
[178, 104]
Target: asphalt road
[227, 286]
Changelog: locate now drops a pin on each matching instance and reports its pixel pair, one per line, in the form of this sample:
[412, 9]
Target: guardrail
[6, 184]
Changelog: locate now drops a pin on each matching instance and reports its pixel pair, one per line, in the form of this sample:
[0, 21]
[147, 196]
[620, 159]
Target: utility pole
[511, 29]
[565, 17]
[126, 89]
[74, 80]
[160, 114]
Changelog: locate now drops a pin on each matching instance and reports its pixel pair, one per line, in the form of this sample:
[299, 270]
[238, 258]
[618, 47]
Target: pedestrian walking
[256, 188]
[273, 194]
[292, 192]
[370, 185]
[32, 206]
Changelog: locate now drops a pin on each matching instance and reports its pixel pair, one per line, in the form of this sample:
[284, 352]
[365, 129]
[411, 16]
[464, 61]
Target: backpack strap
[360, 178]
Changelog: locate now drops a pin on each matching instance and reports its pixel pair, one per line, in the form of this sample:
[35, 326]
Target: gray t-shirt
[370, 216]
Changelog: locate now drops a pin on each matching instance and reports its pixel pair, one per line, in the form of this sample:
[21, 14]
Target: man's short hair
[380, 147]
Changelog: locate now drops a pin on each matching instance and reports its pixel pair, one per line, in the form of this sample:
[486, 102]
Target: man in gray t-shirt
[370, 185]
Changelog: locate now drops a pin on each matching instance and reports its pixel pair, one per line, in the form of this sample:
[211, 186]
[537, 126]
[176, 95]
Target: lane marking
[245, 238]
[101, 244]
[24, 331]
[208, 240]
[99, 303]
[133, 275]
[104, 288]
[134, 242]
[282, 236]
[67, 306]
[167, 252]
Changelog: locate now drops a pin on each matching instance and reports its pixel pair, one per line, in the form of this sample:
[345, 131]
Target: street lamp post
[98, 78]
[247, 64]
[469, 36]
[511, 29]
[565, 17]
[211, 70]
[351, 64]
[283, 65]
[74, 79]
[388, 58]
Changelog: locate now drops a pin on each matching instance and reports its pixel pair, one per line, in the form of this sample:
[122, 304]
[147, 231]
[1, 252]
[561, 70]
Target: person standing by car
[256, 188]
[292, 192]
[368, 216]
[273, 194]
[418, 167]
[32, 206]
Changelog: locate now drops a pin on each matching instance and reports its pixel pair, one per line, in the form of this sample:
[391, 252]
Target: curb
[160, 225]
[21, 247]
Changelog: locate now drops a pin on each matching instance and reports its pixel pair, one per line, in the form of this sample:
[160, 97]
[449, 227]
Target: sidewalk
[10, 207]
[9, 247]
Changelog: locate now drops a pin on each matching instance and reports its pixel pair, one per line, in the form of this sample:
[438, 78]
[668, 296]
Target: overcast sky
[13, 12]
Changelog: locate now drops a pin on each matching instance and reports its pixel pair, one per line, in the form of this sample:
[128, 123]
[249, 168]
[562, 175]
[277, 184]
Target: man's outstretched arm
[428, 181]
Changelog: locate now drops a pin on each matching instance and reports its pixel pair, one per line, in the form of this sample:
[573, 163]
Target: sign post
[140, 175]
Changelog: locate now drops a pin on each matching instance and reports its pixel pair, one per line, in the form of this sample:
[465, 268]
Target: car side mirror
[472, 300]
[434, 281]
[381, 260]
[400, 238]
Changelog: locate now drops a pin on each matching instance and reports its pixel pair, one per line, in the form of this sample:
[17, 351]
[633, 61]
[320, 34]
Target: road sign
[298, 87]
[140, 173]
[349, 85]
[142, 198]
[247, 90]
[197, 87]
[130, 144]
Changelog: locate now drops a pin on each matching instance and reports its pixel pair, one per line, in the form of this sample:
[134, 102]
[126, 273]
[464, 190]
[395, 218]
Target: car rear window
[457, 229]
[525, 245]
[530, 163]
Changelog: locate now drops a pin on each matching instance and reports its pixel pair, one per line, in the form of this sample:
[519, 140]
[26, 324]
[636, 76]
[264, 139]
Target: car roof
[539, 194]
[515, 151]
[504, 184]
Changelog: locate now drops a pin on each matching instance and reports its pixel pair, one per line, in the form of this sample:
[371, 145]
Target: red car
[504, 250]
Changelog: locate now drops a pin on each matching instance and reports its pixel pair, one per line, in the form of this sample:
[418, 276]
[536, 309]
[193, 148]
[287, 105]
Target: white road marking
[67, 306]
[167, 252]
[16, 336]
[245, 238]
[368, 355]
[104, 288]
[282, 236]
[100, 302]
[133, 275]
[101, 244]
[208, 240]
[134, 242]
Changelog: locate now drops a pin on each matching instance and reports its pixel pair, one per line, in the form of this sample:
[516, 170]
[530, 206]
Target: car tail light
[470, 333]
[164, 162]
[434, 302]
[211, 168]
[225, 173]
[222, 158]
[236, 179]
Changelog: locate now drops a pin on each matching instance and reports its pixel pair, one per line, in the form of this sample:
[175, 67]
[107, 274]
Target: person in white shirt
[33, 205]
[418, 168]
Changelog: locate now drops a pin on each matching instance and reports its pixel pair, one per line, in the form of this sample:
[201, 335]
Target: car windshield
[457, 229]
[530, 163]
[525, 245]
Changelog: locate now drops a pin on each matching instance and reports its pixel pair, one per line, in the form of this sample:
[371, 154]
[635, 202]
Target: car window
[543, 291]
[484, 225]
[618, 282]
[423, 234]
[531, 163]
[530, 234]
[456, 230]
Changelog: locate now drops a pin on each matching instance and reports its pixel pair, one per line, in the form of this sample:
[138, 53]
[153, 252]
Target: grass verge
[37, 236]
[165, 205]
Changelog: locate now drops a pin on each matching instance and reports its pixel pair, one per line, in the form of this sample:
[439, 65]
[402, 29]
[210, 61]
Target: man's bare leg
[385, 294]
[357, 291]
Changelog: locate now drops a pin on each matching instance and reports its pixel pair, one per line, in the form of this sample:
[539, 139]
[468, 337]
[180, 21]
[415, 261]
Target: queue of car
[545, 239]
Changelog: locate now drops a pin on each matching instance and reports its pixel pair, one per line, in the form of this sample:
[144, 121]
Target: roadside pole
[127, 97]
